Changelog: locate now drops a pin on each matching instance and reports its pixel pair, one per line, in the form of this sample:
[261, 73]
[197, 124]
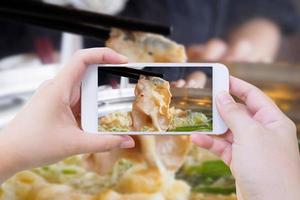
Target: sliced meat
[151, 106]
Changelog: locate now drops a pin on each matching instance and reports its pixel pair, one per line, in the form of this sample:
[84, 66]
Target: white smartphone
[184, 104]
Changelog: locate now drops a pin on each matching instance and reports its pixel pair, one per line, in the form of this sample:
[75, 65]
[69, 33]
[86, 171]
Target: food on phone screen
[151, 106]
[151, 112]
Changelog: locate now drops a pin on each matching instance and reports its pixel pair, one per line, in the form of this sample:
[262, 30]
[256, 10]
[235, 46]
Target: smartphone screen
[180, 102]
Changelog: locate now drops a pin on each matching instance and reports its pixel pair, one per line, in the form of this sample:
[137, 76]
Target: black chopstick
[129, 72]
[58, 12]
[60, 25]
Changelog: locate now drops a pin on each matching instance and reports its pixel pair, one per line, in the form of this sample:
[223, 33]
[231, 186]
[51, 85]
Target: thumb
[97, 142]
[72, 74]
[235, 117]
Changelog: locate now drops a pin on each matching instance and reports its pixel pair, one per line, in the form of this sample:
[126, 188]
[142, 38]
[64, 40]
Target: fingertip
[180, 83]
[202, 140]
[123, 58]
[191, 84]
[100, 142]
[112, 56]
[127, 142]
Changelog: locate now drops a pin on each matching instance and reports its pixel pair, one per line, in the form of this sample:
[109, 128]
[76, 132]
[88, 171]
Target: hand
[46, 131]
[260, 147]
[196, 79]
[213, 50]
[255, 41]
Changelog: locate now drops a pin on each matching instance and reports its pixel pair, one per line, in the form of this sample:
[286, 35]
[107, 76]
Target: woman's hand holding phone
[46, 130]
[260, 148]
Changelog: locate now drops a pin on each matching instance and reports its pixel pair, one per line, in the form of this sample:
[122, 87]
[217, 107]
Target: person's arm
[46, 130]
[260, 147]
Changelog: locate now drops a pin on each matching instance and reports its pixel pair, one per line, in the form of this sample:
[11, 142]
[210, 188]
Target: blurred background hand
[255, 41]
[196, 79]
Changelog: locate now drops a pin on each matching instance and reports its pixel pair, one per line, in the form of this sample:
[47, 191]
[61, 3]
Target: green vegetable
[69, 171]
[215, 190]
[120, 169]
[204, 127]
[210, 177]
[210, 168]
[112, 129]
[193, 121]
[46, 168]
